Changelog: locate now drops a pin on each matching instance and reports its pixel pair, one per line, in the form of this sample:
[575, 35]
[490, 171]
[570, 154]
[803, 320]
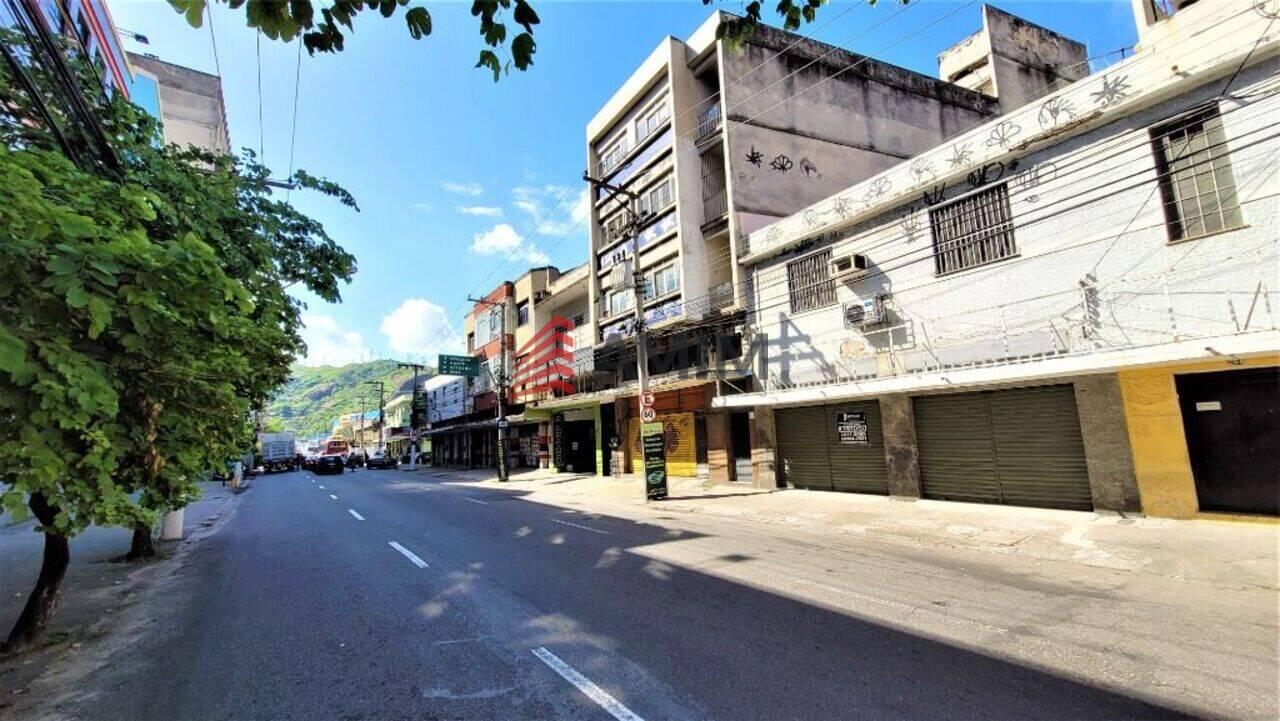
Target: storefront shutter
[1039, 450]
[803, 452]
[957, 451]
[857, 468]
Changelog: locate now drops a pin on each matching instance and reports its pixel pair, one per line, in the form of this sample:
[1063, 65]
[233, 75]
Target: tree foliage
[143, 315]
[281, 20]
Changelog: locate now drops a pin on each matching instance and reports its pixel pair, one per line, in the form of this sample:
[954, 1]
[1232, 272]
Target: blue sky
[463, 182]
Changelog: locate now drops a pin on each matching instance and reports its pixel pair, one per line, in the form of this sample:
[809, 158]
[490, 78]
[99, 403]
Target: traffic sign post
[459, 365]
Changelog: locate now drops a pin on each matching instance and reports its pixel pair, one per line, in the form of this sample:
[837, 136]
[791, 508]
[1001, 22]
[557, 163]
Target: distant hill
[314, 396]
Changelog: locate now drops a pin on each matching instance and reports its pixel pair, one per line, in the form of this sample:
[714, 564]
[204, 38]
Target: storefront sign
[851, 427]
[653, 442]
[557, 441]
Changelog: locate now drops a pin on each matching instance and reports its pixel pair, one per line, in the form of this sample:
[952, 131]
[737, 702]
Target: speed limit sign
[647, 415]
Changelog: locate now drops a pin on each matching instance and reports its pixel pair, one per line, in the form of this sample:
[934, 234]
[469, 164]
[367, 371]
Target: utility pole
[652, 437]
[500, 380]
[381, 410]
[413, 409]
[360, 427]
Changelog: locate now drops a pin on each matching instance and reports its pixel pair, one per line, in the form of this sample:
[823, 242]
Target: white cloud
[556, 210]
[487, 211]
[328, 344]
[420, 328]
[472, 189]
[424, 207]
[502, 239]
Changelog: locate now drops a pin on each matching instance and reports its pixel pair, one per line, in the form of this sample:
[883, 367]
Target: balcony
[715, 206]
[708, 123]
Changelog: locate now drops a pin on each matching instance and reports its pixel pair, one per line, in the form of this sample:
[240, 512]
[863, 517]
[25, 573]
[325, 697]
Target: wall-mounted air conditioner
[849, 267]
[864, 313]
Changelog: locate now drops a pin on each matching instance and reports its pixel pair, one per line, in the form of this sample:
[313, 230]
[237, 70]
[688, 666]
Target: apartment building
[706, 144]
[1072, 305]
[187, 102]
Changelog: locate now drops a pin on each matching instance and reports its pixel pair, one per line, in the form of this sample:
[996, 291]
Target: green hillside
[313, 397]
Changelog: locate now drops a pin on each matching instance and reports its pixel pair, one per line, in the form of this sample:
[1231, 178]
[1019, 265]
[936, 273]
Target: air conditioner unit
[849, 267]
[864, 313]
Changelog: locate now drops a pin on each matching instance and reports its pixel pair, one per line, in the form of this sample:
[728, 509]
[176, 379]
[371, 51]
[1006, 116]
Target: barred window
[809, 282]
[1196, 185]
[973, 231]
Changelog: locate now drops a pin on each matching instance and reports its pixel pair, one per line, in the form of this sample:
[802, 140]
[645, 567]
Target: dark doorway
[740, 440]
[1232, 424]
[580, 437]
[608, 430]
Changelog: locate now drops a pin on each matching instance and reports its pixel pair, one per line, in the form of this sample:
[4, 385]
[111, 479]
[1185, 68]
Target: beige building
[192, 111]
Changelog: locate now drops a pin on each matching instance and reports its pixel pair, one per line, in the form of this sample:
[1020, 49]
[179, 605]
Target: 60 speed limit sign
[647, 415]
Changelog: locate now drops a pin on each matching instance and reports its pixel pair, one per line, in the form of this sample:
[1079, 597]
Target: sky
[463, 182]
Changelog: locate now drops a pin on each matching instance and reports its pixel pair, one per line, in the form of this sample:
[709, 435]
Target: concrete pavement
[514, 602]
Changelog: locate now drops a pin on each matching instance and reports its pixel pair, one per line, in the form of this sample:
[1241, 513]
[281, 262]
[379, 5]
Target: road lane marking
[585, 528]
[357, 516]
[322, 488]
[333, 496]
[473, 500]
[408, 554]
[584, 684]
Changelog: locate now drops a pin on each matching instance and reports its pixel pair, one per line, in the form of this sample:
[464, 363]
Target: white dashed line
[575, 525]
[322, 488]
[408, 554]
[473, 500]
[584, 684]
[333, 496]
[355, 515]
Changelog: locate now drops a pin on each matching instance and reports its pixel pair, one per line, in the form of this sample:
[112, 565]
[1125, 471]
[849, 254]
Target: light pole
[413, 410]
[381, 409]
[500, 380]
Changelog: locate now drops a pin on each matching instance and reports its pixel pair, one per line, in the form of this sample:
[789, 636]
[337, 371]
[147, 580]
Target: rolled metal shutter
[859, 469]
[957, 450]
[1039, 450]
[802, 447]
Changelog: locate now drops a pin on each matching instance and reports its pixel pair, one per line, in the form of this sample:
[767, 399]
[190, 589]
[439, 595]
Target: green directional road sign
[459, 365]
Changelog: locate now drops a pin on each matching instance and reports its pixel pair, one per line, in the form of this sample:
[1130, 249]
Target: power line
[262, 154]
[293, 132]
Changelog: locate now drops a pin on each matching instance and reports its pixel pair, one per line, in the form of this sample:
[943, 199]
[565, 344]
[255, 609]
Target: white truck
[276, 451]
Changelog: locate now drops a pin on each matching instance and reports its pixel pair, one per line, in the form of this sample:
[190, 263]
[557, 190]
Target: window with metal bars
[1196, 185]
[974, 230]
[809, 282]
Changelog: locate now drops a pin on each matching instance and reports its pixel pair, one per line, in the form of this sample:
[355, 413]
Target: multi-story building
[187, 102]
[706, 144]
[1072, 305]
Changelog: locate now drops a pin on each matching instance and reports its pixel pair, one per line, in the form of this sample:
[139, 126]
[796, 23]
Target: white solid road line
[584, 684]
[408, 554]
[333, 496]
[585, 528]
[357, 516]
[473, 500]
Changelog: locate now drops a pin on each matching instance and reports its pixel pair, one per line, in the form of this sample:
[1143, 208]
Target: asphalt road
[389, 596]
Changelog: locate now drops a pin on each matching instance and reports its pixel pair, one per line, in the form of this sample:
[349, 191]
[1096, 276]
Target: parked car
[381, 460]
[329, 464]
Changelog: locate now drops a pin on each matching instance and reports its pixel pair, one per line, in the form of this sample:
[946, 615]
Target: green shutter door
[957, 451]
[857, 468]
[802, 447]
[1039, 451]
[1019, 447]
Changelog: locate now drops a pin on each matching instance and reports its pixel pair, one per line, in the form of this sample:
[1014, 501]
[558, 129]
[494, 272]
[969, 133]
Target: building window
[656, 199]
[522, 313]
[471, 342]
[612, 157]
[661, 282]
[1196, 185]
[809, 282]
[974, 230]
[651, 120]
[620, 301]
[615, 228]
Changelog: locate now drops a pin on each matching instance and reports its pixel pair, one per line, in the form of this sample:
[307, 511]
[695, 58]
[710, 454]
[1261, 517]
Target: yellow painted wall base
[1160, 459]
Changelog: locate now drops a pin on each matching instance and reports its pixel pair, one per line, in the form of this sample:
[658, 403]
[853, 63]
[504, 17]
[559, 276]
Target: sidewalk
[1216, 552]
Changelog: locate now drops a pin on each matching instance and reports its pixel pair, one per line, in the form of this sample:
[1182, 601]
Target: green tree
[281, 20]
[143, 317]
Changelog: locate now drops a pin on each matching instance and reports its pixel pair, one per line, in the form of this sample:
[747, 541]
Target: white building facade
[1072, 305]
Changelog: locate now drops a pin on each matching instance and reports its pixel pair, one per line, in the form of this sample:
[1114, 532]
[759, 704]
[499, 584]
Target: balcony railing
[715, 207]
[708, 123]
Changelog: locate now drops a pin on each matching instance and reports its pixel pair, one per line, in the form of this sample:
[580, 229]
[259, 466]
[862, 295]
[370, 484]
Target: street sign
[653, 441]
[648, 415]
[459, 365]
[646, 399]
[503, 423]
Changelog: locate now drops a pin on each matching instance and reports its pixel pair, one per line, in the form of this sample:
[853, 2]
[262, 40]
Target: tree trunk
[143, 546]
[44, 597]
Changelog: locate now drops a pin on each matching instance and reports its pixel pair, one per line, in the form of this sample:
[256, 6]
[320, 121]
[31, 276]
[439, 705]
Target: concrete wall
[901, 453]
[191, 106]
[797, 134]
[1106, 443]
